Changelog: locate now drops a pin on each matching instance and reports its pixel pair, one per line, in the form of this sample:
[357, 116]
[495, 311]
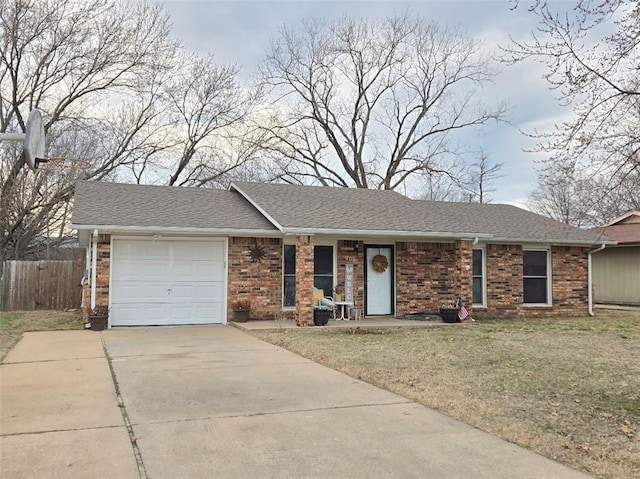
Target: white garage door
[167, 282]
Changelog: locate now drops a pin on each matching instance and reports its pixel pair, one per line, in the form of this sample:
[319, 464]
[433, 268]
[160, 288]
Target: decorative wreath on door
[380, 263]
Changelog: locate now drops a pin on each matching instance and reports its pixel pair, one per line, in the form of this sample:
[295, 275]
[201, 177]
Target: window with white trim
[535, 277]
[289, 267]
[322, 272]
[478, 267]
[323, 269]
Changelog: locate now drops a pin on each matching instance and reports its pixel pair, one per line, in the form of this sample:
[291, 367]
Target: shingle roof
[308, 207]
[321, 207]
[624, 234]
[505, 222]
[101, 203]
[295, 208]
[627, 218]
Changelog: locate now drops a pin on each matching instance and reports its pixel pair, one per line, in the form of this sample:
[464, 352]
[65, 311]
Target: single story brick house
[159, 255]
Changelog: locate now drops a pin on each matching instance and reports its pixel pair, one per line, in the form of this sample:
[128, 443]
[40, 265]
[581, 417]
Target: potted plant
[321, 315]
[98, 318]
[449, 314]
[241, 311]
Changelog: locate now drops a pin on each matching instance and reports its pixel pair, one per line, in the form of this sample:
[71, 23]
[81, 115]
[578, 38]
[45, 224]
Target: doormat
[422, 316]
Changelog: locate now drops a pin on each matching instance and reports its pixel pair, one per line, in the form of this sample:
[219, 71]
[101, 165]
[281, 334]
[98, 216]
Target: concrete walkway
[59, 415]
[367, 323]
[215, 402]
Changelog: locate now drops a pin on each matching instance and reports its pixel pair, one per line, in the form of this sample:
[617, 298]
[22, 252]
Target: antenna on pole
[33, 139]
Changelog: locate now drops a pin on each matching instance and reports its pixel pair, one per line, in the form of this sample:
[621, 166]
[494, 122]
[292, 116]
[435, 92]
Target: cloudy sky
[238, 32]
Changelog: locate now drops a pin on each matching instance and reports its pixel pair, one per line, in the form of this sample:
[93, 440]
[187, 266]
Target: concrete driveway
[59, 414]
[213, 401]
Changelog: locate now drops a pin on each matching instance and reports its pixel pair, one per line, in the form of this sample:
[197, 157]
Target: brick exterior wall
[347, 254]
[102, 277]
[504, 283]
[569, 267]
[258, 282]
[103, 270]
[428, 275]
[304, 280]
[463, 288]
[504, 280]
[86, 302]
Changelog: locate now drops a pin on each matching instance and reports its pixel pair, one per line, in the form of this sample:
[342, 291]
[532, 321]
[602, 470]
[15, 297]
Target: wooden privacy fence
[50, 284]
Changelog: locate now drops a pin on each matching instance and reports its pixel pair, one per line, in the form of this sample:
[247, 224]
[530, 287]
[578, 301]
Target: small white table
[343, 305]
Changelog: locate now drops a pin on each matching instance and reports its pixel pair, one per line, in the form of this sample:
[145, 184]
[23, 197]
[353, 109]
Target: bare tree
[372, 103]
[477, 184]
[205, 99]
[563, 196]
[577, 198]
[65, 58]
[106, 75]
[592, 59]
[461, 182]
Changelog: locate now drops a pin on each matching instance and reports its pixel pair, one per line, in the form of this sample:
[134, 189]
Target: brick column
[86, 301]
[504, 280]
[304, 280]
[103, 270]
[464, 273]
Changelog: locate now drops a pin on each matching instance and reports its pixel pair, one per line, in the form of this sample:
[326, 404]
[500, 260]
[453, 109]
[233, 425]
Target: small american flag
[463, 313]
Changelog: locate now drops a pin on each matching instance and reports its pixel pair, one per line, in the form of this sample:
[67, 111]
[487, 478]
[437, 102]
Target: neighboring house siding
[616, 275]
[259, 282]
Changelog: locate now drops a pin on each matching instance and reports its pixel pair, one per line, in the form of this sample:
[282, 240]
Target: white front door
[165, 282]
[379, 280]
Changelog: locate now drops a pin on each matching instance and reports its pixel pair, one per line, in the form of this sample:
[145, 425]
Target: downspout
[473, 243]
[85, 276]
[94, 267]
[590, 277]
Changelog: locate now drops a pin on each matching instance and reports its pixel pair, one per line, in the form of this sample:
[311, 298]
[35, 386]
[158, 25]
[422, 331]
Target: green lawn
[566, 388]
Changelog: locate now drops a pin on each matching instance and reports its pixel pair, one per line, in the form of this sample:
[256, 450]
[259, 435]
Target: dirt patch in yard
[14, 323]
[566, 388]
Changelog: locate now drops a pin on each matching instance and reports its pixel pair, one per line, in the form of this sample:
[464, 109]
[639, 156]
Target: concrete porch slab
[367, 323]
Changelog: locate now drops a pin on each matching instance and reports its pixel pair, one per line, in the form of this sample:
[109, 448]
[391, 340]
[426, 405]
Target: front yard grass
[566, 388]
[14, 323]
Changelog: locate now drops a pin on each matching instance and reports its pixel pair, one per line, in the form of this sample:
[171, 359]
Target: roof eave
[179, 230]
[553, 241]
[623, 217]
[346, 232]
